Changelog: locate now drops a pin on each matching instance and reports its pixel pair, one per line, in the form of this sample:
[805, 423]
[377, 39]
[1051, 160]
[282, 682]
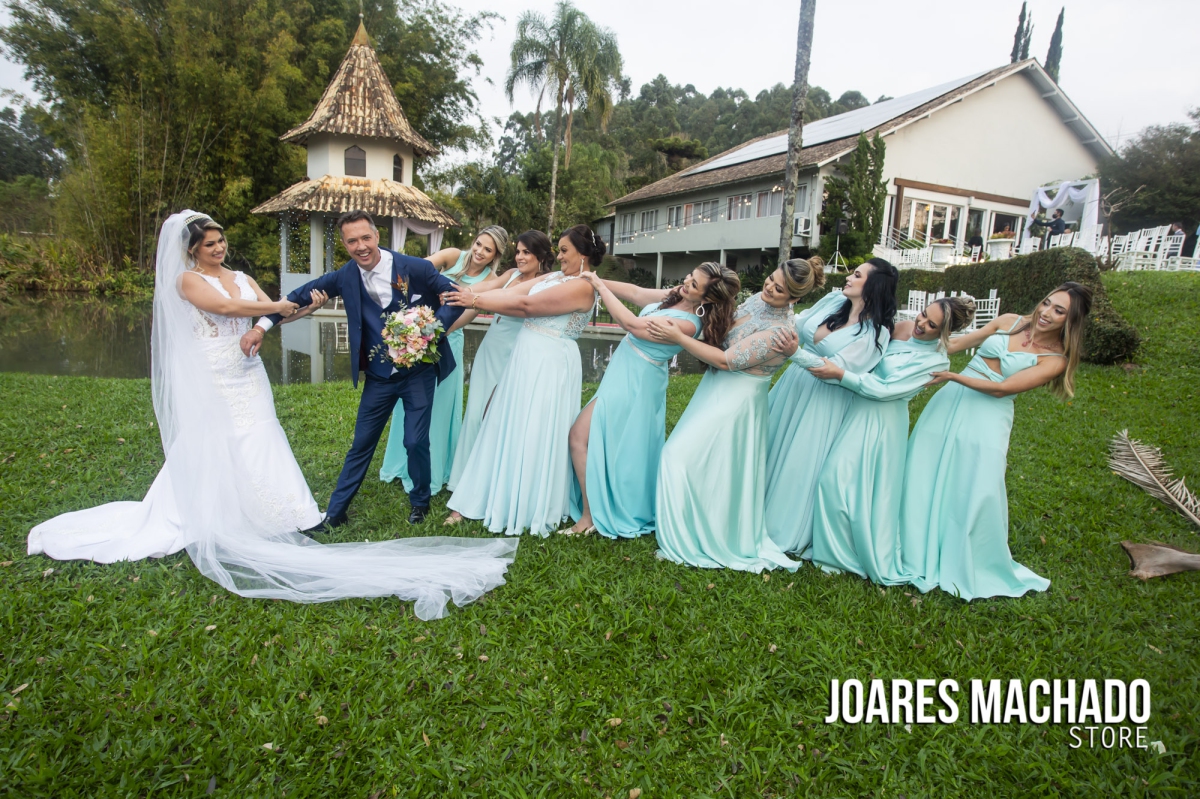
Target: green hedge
[1022, 282]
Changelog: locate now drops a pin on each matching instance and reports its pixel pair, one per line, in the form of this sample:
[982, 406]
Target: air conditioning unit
[802, 226]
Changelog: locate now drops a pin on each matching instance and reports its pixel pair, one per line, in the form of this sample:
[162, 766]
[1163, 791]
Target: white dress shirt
[378, 281]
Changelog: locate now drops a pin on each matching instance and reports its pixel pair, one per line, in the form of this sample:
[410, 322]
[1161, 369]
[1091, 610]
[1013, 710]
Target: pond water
[110, 337]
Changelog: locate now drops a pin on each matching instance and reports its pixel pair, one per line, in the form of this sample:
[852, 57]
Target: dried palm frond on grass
[1143, 465]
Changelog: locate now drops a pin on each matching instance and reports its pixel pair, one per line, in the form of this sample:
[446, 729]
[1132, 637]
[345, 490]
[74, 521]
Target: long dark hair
[717, 304]
[879, 301]
[589, 245]
[539, 244]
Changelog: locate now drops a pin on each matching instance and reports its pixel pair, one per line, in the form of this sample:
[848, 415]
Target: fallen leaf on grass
[20, 688]
[270, 747]
[1156, 649]
[210, 628]
[152, 632]
[418, 639]
[622, 744]
[91, 598]
[772, 649]
[6, 563]
[322, 720]
[253, 660]
[915, 601]
[723, 741]
[766, 577]
[614, 722]
[120, 441]
[483, 658]
[134, 578]
[608, 635]
[48, 572]
[711, 586]
[634, 793]
[425, 738]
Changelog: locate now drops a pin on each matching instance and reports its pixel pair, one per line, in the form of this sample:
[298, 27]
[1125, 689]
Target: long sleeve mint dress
[805, 414]
[954, 513]
[625, 439]
[491, 359]
[518, 476]
[711, 477]
[856, 515]
[445, 417]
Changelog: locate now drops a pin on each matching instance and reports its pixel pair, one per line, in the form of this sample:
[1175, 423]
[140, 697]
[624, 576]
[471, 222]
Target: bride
[231, 492]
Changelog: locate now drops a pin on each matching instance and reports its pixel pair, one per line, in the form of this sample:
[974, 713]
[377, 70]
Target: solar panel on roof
[837, 127]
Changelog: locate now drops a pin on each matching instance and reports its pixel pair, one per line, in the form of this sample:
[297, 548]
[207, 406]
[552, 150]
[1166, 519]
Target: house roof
[359, 101]
[829, 139]
[333, 195]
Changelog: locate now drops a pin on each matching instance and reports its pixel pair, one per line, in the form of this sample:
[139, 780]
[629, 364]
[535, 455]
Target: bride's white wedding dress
[231, 492]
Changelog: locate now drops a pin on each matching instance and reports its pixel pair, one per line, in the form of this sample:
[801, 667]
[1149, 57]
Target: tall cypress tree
[1054, 54]
[1018, 36]
[1026, 37]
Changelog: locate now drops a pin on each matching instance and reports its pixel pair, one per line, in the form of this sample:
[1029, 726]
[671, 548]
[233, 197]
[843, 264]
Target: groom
[375, 283]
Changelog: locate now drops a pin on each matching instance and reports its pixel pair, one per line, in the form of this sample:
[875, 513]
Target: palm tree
[575, 59]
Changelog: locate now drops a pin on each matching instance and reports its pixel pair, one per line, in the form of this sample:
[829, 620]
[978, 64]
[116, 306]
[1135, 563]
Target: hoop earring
[700, 311]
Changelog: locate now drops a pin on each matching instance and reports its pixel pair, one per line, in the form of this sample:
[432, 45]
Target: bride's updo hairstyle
[195, 229]
[587, 243]
[802, 277]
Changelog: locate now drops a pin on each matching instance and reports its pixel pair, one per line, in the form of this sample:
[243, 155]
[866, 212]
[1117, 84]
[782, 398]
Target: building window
[625, 228]
[701, 212]
[770, 203]
[356, 161]
[802, 199]
[649, 221]
[397, 169]
[675, 216]
[740, 207]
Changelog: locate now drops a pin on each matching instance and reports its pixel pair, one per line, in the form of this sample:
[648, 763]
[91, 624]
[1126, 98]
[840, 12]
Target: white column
[721, 258]
[285, 241]
[316, 244]
[658, 275]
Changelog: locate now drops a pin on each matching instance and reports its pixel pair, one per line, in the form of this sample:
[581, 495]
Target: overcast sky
[1125, 64]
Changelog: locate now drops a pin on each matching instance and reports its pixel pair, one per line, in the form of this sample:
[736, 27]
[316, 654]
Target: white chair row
[985, 310]
[1151, 249]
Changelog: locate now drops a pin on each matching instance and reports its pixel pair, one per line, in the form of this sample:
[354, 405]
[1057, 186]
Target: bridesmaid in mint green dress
[954, 512]
[852, 329]
[466, 268]
[618, 437]
[712, 475]
[534, 259]
[856, 516]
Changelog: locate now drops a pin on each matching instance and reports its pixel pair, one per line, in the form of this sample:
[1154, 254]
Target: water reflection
[110, 337]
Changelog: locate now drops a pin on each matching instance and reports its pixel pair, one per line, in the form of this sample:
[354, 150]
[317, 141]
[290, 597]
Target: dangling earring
[700, 311]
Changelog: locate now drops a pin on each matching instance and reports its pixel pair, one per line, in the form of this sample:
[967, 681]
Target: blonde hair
[957, 313]
[802, 276]
[1071, 335]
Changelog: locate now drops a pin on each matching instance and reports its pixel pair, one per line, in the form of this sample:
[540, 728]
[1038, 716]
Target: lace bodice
[748, 343]
[210, 325]
[568, 325]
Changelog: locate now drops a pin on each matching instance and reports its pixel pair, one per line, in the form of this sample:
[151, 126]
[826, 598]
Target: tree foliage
[165, 104]
[1155, 179]
[1054, 53]
[25, 149]
[858, 195]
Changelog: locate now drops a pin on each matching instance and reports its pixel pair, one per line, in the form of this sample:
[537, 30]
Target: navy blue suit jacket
[425, 285]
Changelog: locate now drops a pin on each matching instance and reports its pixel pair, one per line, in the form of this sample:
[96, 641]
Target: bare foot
[454, 518]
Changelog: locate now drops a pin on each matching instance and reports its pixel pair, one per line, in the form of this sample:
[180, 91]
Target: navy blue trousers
[379, 398]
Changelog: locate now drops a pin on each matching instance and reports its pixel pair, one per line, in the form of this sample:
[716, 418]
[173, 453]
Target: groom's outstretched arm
[327, 283]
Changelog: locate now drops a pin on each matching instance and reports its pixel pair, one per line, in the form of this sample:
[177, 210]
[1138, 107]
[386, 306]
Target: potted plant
[1000, 245]
[942, 250]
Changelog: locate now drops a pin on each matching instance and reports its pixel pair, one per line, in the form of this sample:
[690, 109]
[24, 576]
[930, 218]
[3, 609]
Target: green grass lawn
[719, 679]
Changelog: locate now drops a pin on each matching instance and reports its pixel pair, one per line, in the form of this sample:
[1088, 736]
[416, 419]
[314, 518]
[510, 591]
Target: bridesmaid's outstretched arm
[1024, 380]
[634, 325]
[976, 337]
[641, 297]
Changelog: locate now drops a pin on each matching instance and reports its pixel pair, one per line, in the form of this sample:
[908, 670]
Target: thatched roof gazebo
[360, 156]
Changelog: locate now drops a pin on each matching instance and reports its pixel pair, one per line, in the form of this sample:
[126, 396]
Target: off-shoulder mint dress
[711, 477]
[518, 476]
[805, 414]
[954, 513]
[491, 359]
[625, 439]
[856, 516]
[445, 418]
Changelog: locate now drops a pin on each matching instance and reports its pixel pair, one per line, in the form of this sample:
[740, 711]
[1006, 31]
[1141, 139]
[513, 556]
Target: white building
[963, 159]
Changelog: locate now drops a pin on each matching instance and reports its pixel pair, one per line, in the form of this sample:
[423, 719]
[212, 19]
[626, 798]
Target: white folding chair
[1172, 248]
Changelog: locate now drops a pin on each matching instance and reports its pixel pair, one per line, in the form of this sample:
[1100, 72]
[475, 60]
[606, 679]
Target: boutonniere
[400, 285]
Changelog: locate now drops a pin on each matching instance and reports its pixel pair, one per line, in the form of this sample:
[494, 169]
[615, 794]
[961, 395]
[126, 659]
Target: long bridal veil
[233, 512]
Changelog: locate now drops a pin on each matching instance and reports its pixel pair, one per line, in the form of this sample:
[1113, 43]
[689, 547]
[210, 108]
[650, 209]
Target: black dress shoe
[418, 515]
[326, 525]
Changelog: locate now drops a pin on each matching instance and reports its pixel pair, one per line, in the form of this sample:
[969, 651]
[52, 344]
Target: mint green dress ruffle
[856, 515]
[625, 439]
[445, 419]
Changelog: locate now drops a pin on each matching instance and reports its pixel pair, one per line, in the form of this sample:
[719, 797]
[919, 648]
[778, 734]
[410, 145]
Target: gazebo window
[356, 161]
[397, 169]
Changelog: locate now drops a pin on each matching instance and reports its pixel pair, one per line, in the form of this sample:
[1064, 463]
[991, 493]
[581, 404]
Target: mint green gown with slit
[712, 474]
[445, 418]
[805, 414]
[625, 438]
[954, 512]
[856, 515]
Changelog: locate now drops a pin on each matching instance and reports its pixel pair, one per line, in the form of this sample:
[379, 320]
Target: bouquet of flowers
[411, 336]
